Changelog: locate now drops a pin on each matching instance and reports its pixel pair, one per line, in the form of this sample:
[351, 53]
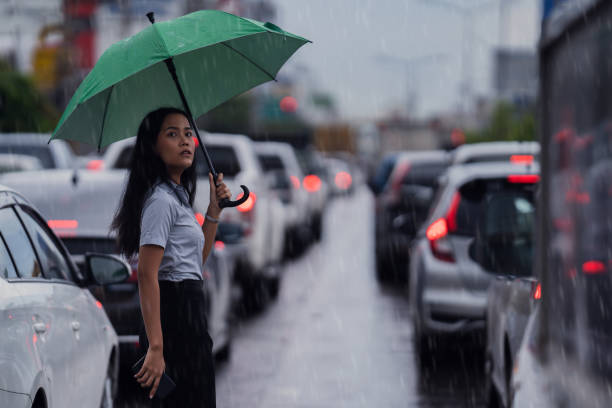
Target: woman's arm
[210, 231]
[149, 260]
[209, 228]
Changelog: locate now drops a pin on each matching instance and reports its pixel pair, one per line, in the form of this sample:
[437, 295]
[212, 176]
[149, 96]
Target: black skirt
[187, 345]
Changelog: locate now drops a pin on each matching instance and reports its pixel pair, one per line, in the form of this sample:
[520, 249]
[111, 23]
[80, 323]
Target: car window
[473, 195]
[123, 161]
[7, 269]
[270, 162]
[224, 158]
[18, 244]
[43, 153]
[425, 174]
[508, 228]
[54, 265]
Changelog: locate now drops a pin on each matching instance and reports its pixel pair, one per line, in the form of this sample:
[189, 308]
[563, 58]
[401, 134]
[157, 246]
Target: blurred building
[516, 76]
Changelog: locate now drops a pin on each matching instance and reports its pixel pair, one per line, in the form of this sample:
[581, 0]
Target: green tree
[507, 123]
[22, 107]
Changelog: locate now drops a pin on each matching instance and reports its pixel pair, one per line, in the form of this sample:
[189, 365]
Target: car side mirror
[106, 269]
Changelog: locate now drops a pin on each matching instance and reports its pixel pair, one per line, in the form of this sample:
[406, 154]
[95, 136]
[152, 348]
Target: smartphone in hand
[166, 385]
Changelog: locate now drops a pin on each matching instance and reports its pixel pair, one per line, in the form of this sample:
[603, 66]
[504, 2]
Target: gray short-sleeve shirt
[168, 221]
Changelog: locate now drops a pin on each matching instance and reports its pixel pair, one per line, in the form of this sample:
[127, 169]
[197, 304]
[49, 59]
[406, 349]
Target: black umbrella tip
[151, 16]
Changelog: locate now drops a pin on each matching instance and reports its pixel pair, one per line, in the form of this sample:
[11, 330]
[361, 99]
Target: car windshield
[224, 159]
[42, 153]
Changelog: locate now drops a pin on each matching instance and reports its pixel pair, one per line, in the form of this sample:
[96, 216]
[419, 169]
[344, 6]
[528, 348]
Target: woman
[155, 220]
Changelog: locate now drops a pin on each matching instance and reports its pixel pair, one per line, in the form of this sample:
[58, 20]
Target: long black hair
[146, 168]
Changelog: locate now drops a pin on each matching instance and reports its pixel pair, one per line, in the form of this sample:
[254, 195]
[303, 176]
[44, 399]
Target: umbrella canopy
[217, 56]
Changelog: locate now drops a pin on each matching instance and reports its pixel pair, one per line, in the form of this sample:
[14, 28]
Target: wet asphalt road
[335, 337]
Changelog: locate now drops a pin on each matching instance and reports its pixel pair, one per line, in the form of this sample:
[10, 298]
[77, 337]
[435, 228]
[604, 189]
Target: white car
[277, 156]
[56, 155]
[261, 216]
[57, 346]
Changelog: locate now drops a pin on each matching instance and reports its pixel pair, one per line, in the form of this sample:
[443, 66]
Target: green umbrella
[194, 62]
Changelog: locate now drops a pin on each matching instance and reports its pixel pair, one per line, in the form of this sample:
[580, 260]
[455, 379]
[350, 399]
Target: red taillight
[521, 159]
[219, 245]
[63, 224]
[343, 180]
[312, 183]
[95, 165]
[195, 141]
[537, 292]
[524, 178]
[295, 182]
[98, 304]
[248, 204]
[593, 267]
[200, 218]
[437, 230]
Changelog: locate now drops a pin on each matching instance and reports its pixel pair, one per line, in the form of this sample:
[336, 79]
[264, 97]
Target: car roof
[422, 156]
[93, 200]
[466, 152]
[273, 147]
[10, 196]
[25, 138]
[459, 174]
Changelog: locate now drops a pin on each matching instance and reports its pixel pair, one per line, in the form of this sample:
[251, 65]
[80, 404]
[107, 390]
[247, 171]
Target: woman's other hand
[151, 371]
[217, 193]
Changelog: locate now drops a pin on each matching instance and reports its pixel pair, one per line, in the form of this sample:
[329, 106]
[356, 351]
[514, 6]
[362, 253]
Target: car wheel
[273, 287]
[109, 388]
[423, 349]
[224, 354]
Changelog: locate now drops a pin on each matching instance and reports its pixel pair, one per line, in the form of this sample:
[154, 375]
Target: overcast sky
[350, 36]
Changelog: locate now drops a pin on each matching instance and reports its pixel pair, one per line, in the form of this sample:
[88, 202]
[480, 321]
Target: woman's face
[175, 143]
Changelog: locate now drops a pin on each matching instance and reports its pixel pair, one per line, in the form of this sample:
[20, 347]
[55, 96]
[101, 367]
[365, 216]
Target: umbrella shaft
[170, 64]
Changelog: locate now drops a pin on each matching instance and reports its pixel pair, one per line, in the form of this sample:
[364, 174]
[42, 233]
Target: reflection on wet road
[336, 338]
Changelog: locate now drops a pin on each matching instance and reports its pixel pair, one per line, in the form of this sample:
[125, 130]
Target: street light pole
[467, 14]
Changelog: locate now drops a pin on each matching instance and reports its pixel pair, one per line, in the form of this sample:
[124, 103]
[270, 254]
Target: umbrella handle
[225, 203]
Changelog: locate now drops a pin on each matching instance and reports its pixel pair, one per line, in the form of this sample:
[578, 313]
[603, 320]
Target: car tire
[255, 295]
[225, 353]
[423, 349]
[273, 286]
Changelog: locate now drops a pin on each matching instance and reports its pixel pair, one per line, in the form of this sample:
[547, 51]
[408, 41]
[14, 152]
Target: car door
[86, 359]
[19, 367]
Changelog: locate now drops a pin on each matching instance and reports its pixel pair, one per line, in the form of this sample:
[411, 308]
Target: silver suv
[448, 289]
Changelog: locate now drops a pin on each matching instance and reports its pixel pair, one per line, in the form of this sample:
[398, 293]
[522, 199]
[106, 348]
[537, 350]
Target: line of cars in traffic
[62, 280]
[459, 232]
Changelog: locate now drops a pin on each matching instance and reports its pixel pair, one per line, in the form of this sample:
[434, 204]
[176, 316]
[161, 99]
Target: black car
[402, 206]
